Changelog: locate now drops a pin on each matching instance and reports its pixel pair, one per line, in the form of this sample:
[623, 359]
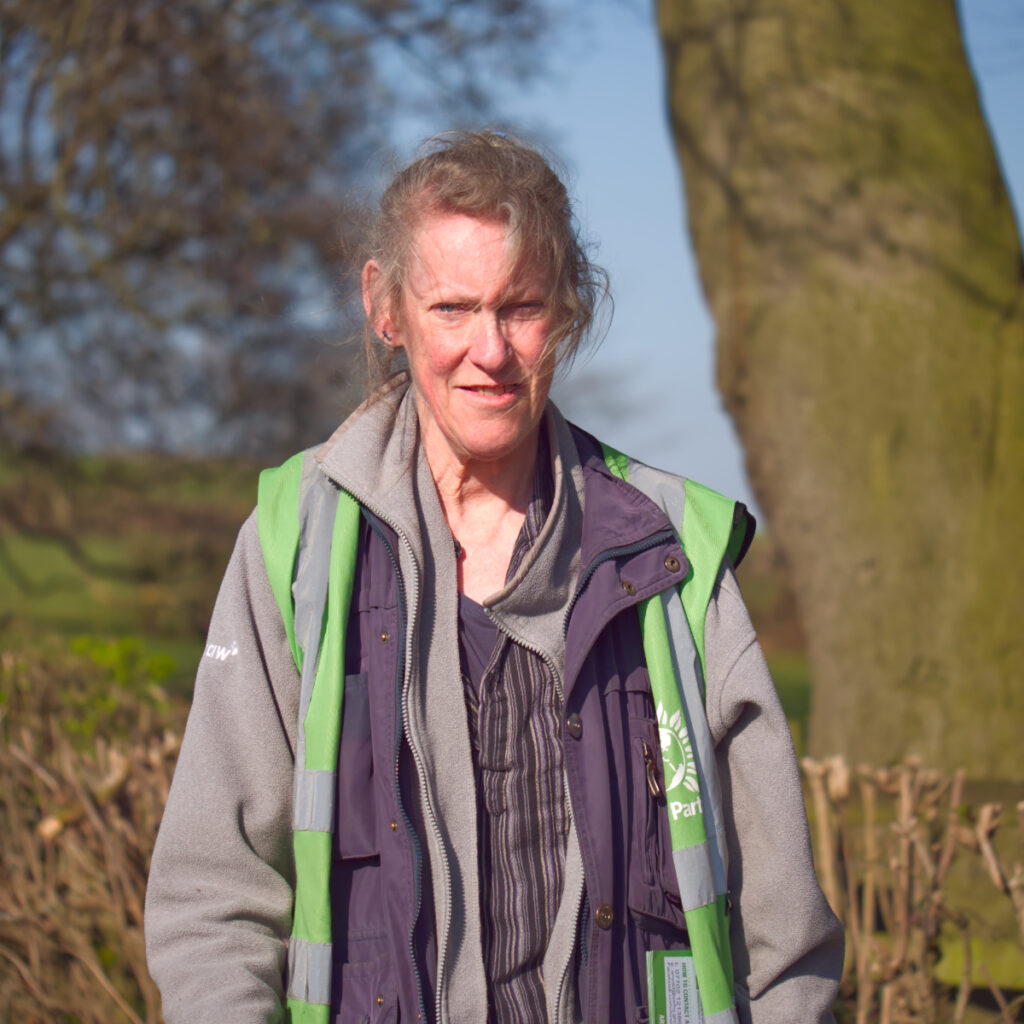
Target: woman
[461, 767]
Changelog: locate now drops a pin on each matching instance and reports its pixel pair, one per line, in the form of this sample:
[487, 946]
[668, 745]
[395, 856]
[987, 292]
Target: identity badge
[672, 988]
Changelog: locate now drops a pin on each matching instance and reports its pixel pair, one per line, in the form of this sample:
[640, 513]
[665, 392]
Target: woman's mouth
[490, 390]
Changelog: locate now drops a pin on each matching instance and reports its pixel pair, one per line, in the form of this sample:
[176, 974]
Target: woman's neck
[468, 487]
[484, 505]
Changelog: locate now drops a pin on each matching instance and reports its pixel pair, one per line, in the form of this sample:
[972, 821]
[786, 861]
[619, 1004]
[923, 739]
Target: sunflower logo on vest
[676, 752]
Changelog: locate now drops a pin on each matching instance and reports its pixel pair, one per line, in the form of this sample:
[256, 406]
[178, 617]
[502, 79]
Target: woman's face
[475, 332]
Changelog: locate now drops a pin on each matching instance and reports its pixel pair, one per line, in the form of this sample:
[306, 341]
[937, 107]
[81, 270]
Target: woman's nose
[490, 348]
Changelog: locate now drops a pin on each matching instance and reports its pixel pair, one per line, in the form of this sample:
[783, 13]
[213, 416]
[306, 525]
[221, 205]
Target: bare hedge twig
[964, 992]
[1004, 1009]
[94, 968]
[989, 818]
[815, 772]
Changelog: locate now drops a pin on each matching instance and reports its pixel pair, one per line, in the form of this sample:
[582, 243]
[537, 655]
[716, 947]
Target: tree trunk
[861, 259]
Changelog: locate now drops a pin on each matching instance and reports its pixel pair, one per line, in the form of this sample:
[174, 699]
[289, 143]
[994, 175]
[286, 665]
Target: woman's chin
[495, 446]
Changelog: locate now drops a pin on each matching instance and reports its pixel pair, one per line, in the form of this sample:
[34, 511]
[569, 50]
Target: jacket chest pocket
[356, 817]
[359, 920]
[653, 889]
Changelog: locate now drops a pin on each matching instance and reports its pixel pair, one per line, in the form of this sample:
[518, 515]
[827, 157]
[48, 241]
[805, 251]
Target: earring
[386, 337]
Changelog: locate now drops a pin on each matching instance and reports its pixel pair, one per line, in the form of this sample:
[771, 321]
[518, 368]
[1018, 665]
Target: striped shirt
[522, 811]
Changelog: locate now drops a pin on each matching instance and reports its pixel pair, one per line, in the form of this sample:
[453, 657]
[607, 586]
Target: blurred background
[811, 219]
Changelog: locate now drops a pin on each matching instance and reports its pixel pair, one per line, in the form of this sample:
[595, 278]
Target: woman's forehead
[455, 248]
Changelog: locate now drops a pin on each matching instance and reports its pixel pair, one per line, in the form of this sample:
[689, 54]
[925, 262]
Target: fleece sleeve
[219, 898]
[787, 945]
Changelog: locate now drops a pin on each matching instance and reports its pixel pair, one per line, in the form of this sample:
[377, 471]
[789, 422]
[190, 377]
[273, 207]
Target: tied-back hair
[492, 175]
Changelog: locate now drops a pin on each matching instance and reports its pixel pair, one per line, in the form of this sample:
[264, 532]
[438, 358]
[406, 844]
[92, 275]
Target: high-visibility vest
[309, 530]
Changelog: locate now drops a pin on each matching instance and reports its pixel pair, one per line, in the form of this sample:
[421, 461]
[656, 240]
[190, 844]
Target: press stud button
[628, 587]
[385, 637]
[394, 826]
[603, 916]
[672, 563]
[575, 726]
[380, 1000]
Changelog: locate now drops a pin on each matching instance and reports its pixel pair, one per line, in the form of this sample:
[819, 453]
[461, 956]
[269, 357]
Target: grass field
[135, 546]
[117, 547]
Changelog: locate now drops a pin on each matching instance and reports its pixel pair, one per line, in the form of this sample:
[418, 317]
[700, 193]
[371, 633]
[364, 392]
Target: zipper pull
[652, 773]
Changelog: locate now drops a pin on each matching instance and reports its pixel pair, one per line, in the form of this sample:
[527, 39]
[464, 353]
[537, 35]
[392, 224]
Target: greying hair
[490, 175]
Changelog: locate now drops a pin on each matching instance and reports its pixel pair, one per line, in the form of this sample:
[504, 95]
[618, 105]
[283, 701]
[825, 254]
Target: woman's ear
[381, 322]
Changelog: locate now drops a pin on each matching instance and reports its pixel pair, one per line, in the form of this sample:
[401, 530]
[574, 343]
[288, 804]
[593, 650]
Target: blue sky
[649, 389]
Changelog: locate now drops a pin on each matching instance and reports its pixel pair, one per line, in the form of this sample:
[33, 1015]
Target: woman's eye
[525, 310]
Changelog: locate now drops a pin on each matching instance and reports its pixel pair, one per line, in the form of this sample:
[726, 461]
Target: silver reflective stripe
[318, 504]
[687, 669]
[696, 886]
[314, 800]
[665, 489]
[309, 971]
[729, 1016]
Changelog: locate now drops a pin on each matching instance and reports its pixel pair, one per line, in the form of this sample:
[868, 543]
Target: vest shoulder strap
[710, 527]
[714, 528]
[277, 522]
[309, 532]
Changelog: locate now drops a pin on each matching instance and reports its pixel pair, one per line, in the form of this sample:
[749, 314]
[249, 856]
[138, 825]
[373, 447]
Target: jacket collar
[374, 454]
[618, 514]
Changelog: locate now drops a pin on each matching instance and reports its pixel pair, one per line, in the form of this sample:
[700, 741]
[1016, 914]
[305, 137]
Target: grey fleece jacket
[220, 891]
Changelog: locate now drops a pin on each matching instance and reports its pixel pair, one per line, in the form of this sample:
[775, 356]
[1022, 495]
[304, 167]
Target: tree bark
[860, 256]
